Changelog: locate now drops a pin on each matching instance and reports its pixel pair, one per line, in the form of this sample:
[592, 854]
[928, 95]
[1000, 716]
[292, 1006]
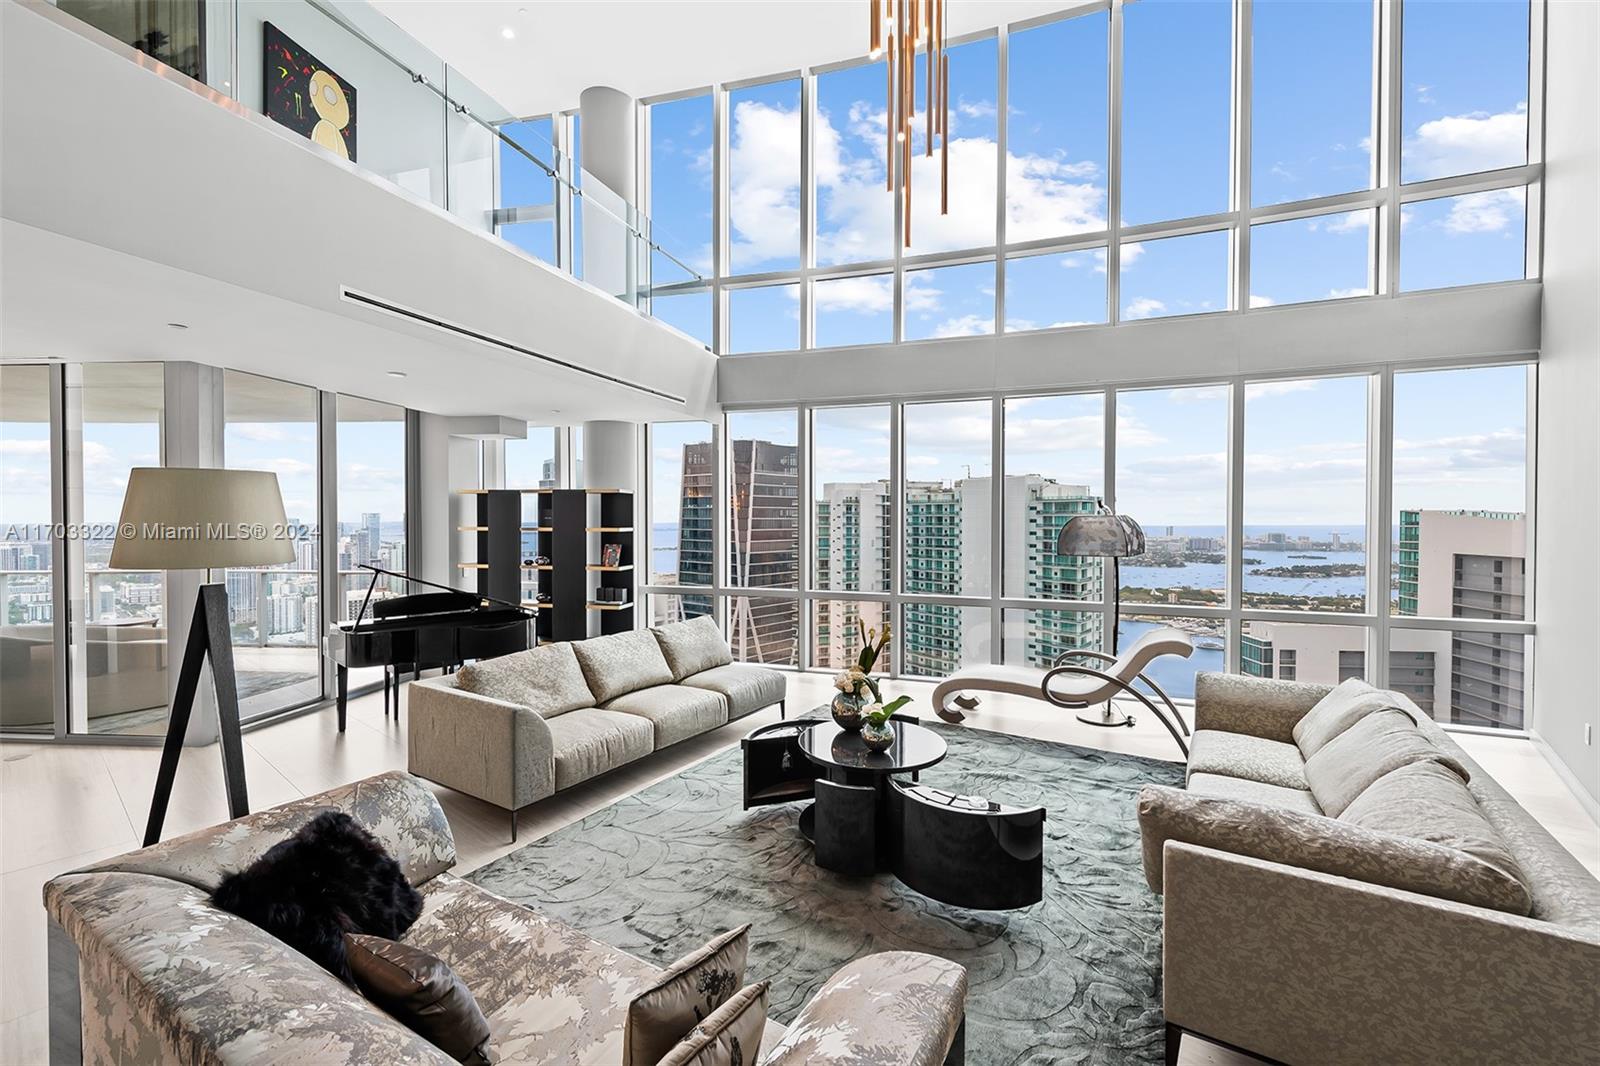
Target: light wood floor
[64, 806]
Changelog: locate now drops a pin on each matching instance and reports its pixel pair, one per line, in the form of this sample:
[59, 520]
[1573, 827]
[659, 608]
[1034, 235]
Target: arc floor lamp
[181, 518]
[1108, 536]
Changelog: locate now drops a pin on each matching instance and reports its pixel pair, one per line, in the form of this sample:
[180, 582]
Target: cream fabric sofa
[517, 729]
[143, 969]
[1343, 884]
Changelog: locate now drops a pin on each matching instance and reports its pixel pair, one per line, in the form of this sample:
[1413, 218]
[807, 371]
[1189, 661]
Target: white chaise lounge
[1074, 686]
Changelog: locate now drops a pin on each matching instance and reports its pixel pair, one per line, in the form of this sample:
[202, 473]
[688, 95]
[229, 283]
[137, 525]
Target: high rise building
[696, 558]
[1451, 564]
[372, 524]
[763, 549]
[852, 533]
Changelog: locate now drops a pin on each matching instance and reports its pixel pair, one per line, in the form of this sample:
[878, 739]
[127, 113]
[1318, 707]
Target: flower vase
[847, 710]
[877, 736]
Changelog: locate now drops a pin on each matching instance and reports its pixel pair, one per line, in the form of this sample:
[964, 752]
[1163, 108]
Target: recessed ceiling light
[508, 33]
[178, 325]
[397, 373]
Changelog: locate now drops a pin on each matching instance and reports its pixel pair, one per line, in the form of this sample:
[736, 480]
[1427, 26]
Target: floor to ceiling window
[852, 529]
[119, 656]
[28, 554]
[370, 506]
[275, 611]
[763, 522]
[682, 498]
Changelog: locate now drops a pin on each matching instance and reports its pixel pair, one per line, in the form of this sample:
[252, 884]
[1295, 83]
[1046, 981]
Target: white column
[610, 455]
[607, 147]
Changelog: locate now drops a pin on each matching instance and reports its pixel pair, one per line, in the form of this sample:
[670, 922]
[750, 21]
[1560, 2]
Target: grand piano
[432, 630]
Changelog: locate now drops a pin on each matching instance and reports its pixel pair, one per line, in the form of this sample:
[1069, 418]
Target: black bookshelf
[612, 525]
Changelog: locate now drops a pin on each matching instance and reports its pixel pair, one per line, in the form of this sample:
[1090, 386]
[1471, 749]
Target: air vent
[422, 318]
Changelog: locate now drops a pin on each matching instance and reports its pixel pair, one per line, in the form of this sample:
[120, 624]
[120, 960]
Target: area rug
[1073, 979]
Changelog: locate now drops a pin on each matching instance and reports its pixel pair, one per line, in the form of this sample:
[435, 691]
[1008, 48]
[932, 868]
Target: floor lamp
[1109, 536]
[177, 518]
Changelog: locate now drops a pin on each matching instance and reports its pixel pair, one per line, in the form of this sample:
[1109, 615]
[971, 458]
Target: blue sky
[1465, 95]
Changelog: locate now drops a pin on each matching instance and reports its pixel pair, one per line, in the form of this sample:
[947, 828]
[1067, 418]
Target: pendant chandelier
[902, 28]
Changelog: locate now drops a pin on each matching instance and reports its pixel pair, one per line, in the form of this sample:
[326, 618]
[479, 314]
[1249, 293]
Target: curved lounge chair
[1074, 686]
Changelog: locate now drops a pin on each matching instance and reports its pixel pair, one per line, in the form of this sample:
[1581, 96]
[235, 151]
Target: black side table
[850, 823]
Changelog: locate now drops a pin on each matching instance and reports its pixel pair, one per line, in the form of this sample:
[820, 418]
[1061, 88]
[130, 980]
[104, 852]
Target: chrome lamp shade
[1109, 536]
[182, 518]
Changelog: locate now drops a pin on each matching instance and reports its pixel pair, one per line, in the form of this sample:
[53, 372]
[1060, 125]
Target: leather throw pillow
[687, 993]
[422, 991]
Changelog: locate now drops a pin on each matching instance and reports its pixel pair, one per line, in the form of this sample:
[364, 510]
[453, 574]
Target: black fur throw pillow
[329, 879]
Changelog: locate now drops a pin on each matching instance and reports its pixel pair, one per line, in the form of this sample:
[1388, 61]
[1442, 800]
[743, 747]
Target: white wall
[1566, 684]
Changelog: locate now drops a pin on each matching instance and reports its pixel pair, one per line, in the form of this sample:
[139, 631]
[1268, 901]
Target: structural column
[611, 455]
[608, 155]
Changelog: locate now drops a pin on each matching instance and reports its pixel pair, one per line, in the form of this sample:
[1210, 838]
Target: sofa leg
[783, 711]
[957, 1055]
[513, 826]
[66, 1009]
[1174, 1041]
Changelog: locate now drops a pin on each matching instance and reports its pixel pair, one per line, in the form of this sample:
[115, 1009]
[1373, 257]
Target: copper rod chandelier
[900, 28]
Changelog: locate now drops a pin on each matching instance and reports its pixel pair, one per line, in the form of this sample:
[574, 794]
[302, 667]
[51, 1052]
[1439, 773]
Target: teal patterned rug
[1075, 978]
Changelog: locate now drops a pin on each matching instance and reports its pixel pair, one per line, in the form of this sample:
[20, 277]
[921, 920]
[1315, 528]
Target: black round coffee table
[849, 822]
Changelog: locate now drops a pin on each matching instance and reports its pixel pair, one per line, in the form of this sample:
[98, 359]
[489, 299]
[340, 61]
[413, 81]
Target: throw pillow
[685, 994]
[1382, 741]
[730, 1036]
[330, 878]
[422, 991]
[693, 646]
[547, 680]
[1428, 801]
[1316, 842]
[622, 663]
[1340, 709]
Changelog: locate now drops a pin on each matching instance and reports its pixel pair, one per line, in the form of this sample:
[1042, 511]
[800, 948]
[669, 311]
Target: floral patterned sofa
[143, 969]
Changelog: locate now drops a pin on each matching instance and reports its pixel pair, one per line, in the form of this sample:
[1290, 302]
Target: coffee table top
[914, 748]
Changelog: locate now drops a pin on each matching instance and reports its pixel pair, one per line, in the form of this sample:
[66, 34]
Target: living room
[866, 531]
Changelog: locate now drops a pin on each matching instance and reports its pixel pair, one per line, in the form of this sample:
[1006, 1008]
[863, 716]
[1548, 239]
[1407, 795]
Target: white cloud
[865, 295]
[1346, 222]
[1262, 390]
[1467, 144]
[1345, 294]
[965, 326]
[1257, 300]
[1485, 212]
[764, 198]
[1143, 307]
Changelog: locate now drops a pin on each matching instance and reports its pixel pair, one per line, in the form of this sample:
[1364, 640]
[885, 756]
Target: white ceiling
[645, 48]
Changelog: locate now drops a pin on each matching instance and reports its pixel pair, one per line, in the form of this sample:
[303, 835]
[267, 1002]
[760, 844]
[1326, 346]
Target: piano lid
[445, 600]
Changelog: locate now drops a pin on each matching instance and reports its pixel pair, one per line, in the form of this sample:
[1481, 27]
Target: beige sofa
[1343, 884]
[143, 969]
[517, 729]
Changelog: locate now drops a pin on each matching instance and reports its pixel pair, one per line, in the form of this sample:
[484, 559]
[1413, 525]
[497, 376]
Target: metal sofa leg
[1174, 1041]
[66, 1007]
[957, 1055]
[513, 825]
[783, 710]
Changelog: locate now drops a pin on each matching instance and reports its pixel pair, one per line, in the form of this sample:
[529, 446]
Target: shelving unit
[569, 527]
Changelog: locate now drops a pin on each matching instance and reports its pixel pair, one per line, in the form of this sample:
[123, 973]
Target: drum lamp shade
[181, 518]
[1105, 535]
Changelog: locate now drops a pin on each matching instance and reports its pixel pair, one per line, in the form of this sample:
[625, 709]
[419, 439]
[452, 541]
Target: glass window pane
[1177, 95]
[1463, 240]
[1296, 651]
[947, 497]
[763, 499]
[853, 311]
[1460, 492]
[765, 319]
[677, 608]
[1175, 276]
[855, 209]
[371, 506]
[687, 312]
[680, 184]
[936, 641]
[1055, 154]
[1305, 502]
[1176, 675]
[1311, 120]
[1465, 87]
[1462, 677]
[275, 611]
[537, 238]
[531, 462]
[764, 629]
[27, 556]
[974, 142]
[952, 301]
[119, 656]
[1036, 638]
[1329, 257]
[1055, 469]
[1059, 289]
[682, 494]
[1172, 478]
[764, 177]
[836, 634]
[523, 183]
[853, 514]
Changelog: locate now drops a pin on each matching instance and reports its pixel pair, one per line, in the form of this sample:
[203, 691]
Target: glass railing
[399, 112]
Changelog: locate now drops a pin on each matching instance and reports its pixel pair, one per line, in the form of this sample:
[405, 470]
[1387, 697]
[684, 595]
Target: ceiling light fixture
[902, 27]
[508, 33]
[177, 325]
[397, 373]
